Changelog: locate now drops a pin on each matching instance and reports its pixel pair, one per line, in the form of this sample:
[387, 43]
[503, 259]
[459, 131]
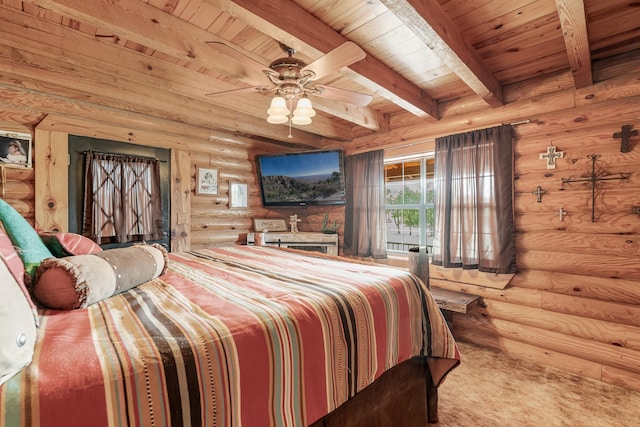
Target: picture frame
[207, 181]
[15, 149]
[269, 224]
[238, 195]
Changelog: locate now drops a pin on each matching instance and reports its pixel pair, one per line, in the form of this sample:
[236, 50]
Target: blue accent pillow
[31, 249]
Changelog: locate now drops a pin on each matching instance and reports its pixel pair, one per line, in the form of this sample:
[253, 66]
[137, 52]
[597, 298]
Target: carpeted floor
[490, 389]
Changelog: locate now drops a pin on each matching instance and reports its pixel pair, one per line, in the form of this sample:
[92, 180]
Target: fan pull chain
[290, 117]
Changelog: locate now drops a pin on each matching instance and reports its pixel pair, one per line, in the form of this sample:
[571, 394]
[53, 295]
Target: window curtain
[365, 227]
[121, 198]
[474, 226]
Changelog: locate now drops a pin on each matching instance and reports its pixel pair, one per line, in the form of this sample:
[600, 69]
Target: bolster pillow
[80, 280]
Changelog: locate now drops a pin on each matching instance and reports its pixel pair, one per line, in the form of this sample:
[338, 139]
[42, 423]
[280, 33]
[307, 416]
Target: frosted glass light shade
[278, 107]
[277, 120]
[304, 108]
[297, 120]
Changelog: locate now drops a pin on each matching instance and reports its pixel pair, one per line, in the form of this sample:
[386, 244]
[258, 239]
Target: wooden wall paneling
[576, 142]
[51, 179]
[579, 285]
[180, 200]
[605, 354]
[548, 219]
[619, 312]
[600, 265]
[577, 324]
[616, 245]
[221, 223]
[621, 377]
[19, 191]
[465, 329]
[207, 238]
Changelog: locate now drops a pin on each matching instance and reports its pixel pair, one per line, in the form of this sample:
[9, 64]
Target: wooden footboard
[404, 396]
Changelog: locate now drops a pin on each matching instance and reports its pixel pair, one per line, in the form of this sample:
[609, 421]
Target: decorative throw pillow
[80, 280]
[30, 248]
[11, 258]
[63, 244]
[19, 326]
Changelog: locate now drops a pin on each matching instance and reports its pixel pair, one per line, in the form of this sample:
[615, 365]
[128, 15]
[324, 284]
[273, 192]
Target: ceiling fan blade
[254, 70]
[342, 56]
[260, 89]
[348, 96]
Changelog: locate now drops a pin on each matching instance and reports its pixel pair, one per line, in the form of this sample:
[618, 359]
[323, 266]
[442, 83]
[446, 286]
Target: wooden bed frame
[404, 396]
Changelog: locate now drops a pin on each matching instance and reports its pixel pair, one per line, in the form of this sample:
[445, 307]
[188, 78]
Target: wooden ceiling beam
[431, 24]
[574, 30]
[292, 25]
[365, 117]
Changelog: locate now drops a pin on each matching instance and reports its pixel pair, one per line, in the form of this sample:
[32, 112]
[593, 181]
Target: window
[474, 194]
[409, 204]
[122, 198]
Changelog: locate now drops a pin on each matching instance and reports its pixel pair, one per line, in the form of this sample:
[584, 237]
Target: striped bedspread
[231, 336]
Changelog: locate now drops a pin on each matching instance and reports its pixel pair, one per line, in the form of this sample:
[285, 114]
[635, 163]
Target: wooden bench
[459, 302]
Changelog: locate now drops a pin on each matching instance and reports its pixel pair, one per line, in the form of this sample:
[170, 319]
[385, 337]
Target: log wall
[196, 221]
[575, 301]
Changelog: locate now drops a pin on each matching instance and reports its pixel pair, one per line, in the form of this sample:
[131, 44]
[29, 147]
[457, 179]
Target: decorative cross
[539, 192]
[293, 222]
[624, 134]
[551, 155]
[562, 213]
[594, 179]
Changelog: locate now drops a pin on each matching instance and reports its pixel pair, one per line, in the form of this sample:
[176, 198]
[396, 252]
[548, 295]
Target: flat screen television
[303, 178]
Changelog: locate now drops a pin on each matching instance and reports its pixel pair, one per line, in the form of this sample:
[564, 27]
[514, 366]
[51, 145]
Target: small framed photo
[238, 195]
[206, 181]
[268, 224]
[15, 149]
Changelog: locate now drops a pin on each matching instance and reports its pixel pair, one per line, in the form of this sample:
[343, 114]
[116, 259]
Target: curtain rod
[520, 122]
[125, 155]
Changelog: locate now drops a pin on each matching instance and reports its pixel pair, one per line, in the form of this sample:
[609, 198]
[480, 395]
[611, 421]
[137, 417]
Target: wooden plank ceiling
[164, 58]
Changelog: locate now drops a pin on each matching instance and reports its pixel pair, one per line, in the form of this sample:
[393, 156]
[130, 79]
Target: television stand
[319, 242]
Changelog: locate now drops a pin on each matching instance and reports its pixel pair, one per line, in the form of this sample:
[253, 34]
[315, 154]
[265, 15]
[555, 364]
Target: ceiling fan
[292, 79]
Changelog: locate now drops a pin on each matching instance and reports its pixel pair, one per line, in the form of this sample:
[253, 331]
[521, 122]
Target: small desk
[321, 242]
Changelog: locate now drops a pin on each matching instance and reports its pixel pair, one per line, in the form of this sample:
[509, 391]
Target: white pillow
[19, 326]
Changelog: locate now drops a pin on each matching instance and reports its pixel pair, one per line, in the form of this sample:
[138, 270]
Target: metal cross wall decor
[624, 134]
[594, 178]
[538, 192]
[550, 156]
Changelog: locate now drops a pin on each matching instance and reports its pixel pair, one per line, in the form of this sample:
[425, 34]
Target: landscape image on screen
[302, 178]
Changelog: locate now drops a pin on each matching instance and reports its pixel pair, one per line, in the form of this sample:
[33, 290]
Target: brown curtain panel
[474, 226]
[121, 198]
[365, 228]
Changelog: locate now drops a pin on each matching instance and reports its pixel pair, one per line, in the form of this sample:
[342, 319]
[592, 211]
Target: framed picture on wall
[15, 149]
[238, 195]
[206, 181]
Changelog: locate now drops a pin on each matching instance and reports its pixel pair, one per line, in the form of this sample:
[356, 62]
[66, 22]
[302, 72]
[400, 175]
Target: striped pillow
[63, 244]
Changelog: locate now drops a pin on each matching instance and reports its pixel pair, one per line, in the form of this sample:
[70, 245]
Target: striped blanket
[231, 336]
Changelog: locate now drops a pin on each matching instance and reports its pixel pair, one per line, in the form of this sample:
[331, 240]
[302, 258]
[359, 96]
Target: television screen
[306, 178]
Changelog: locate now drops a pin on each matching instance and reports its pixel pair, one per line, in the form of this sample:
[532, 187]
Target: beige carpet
[490, 389]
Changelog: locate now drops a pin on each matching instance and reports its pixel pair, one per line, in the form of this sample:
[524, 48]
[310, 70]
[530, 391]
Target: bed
[240, 336]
